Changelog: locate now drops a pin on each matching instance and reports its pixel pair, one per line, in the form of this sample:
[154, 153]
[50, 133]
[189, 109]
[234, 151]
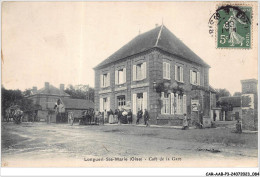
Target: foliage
[80, 92]
[15, 97]
[222, 93]
[225, 106]
[246, 100]
[163, 87]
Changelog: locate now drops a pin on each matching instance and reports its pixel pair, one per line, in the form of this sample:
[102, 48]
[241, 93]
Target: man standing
[146, 118]
[130, 117]
[139, 115]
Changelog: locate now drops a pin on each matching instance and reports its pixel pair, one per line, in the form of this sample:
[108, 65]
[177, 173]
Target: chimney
[34, 89]
[156, 25]
[62, 87]
[47, 85]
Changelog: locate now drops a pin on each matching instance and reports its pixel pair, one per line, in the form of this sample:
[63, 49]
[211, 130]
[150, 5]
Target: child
[185, 124]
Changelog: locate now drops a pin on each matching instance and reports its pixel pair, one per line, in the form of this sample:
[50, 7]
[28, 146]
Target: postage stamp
[234, 26]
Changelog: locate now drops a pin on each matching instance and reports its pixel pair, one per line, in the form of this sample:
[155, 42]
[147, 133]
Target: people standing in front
[146, 118]
[124, 120]
[185, 124]
[130, 117]
[116, 116]
[119, 116]
[105, 116]
[111, 117]
[139, 115]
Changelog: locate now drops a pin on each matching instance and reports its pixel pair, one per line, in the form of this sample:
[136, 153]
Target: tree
[80, 92]
[237, 94]
[15, 97]
[222, 93]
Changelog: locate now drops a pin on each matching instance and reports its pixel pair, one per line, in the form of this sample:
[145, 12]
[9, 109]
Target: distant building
[157, 72]
[47, 97]
[249, 104]
[235, 103]
[77, 105]
[244, 106]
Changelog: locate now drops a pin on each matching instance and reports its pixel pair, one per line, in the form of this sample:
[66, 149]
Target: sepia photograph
[129, 84]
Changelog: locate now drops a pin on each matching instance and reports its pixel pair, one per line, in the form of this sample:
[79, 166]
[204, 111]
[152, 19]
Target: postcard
[129, 84]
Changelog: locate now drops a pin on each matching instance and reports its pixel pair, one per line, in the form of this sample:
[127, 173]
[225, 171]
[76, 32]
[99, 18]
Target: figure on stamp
[234, 37]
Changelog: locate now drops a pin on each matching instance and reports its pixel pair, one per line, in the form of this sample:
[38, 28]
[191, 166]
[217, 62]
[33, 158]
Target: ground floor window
[139, 101]
[173, 103]
[121, 101]
[104, 104]
[166, 103]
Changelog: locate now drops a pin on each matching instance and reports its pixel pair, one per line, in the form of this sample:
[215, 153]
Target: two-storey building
[157, 72]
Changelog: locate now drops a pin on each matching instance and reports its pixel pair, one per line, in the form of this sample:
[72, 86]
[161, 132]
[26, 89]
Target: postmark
[233, 26]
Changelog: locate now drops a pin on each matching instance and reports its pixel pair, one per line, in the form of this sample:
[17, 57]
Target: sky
[61, 42]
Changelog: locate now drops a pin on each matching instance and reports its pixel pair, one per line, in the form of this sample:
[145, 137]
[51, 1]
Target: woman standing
[111, 117]
[116, 116]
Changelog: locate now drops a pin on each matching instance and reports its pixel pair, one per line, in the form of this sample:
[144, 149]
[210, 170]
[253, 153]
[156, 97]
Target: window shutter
[101, 80]
[172, 103]
[164, 70]
[116, 77]
[144, 70]
[184, 105]
[145, 100]
[134, 103]
[177, 104]
[191, 76]
[108, 104]
[162, 101]
[101, 105]
[198, 78]
[134, 72]
[176, 70]
[169, 71]
[124, 74]
[108, 79]
[181, 77]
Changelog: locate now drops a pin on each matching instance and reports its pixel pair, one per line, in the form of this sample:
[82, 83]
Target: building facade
[157, 72]
[46, 98]
[249, 104]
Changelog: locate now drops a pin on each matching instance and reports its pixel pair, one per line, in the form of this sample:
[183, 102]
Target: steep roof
[234, 100]
[77, 103]
[50, 91]
[159, 37]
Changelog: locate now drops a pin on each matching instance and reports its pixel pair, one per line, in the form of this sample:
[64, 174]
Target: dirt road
[41, 145]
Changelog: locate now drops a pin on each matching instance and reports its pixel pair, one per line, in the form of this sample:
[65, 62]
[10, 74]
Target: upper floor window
[179, 73]
[139, 71]
[120, 76]
[166, 70]
[194, 77]
[105, 80]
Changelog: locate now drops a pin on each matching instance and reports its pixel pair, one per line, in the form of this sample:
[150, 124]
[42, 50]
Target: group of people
[122, 116]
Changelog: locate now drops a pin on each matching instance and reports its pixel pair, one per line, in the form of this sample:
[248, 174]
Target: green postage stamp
[234, 26]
